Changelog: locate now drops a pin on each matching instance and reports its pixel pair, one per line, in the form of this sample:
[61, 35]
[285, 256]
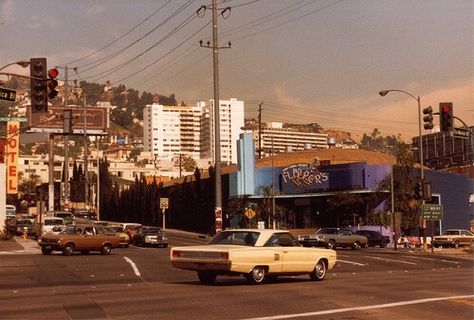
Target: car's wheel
[356, 245]
[106, 248]
[46, 251]
[383, 244]
[68, 249]
[331, 244]
[456, 244]
[207, 277]
[319, 271]
[257, 275]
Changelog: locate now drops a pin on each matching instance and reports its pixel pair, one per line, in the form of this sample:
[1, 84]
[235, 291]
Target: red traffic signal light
[52, 83]
[446, 116]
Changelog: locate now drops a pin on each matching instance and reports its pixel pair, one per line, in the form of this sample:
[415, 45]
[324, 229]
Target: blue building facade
[301, 187]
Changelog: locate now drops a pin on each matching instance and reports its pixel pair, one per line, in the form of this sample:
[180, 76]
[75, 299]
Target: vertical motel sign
[11, 156]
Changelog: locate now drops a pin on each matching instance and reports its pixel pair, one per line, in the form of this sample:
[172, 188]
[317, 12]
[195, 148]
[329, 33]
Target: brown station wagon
[80, 238]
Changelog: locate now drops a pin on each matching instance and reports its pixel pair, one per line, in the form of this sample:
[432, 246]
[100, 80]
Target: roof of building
[335, 156]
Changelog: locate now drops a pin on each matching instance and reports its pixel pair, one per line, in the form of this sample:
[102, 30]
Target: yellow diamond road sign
[250, 213]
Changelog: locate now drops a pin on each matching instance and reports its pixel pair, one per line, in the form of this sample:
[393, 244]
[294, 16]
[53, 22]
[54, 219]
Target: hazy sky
[308, 61]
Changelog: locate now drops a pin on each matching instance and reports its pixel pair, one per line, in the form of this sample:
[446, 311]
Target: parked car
[67, 216]
[131, 229]
[332, 238]
[454, 238]
[80, 238]
[124, 238]
[254, 253]
[374, 238]
[154, 236]
[19, 226]
[49, 224]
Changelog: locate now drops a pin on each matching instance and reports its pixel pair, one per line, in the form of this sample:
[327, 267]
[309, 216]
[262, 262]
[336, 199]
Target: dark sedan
[150, 236]
[20, 226]
[375, 238]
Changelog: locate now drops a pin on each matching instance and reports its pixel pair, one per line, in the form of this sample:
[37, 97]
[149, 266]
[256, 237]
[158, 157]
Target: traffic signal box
[446, 116]
[39, 90]
[52, 83]
[428, 118]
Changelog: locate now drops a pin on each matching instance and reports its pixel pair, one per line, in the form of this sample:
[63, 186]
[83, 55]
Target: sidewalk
[19, 245]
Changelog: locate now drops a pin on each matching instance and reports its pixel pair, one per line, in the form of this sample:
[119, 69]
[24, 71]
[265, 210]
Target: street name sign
[461, 133]
[7, 94]
[432, 211]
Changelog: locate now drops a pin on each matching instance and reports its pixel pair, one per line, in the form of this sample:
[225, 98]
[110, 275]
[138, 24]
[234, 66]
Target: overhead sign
[432, 211]
[7, 94]
[97, 120]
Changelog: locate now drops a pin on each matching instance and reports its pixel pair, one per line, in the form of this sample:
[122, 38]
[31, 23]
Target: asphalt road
[140, 283]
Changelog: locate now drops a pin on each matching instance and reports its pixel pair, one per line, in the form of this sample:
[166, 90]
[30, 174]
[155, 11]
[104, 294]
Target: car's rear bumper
[202, 265]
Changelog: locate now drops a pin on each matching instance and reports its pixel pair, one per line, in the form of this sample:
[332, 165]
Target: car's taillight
[224, 255]
[176, 254]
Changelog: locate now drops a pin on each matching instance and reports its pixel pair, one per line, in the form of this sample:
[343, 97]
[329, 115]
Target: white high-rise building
[189, 130]
[172, 130]
[232, 121]
[275, 137]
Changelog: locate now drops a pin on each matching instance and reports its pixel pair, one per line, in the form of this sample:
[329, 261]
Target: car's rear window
[242, 238]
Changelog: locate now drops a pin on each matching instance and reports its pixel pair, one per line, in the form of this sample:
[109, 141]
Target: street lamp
[22, 64]
[383, 93]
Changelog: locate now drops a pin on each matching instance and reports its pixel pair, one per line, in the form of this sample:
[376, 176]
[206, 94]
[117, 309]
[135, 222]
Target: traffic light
[417, 192]
[446, 116]
[428, 119]
[38, 89]
[52, 83]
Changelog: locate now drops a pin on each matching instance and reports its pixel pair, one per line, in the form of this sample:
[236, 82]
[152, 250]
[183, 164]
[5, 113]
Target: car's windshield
[24, 222]
[327, 231]
[150, 230]
[241, 238]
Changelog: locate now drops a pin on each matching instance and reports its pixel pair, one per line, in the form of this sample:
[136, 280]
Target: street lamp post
[383, 93]
[22, 64]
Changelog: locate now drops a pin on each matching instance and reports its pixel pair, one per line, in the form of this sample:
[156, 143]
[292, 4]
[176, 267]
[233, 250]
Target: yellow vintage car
[256, 254]
[80, 238]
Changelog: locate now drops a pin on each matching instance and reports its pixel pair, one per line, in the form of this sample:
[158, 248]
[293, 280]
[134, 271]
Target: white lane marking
[376, 306]
[134, 266]
[352, 262]
[391, 260]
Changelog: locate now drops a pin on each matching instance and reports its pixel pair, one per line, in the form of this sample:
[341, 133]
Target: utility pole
[66, 141]
[217, 140]
[260, 130]
[86, 173]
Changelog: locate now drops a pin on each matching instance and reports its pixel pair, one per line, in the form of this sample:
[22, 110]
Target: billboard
[97, 120]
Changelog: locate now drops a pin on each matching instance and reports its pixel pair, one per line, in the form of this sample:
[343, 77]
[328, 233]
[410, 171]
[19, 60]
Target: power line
[122, 36]
[103, 60]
